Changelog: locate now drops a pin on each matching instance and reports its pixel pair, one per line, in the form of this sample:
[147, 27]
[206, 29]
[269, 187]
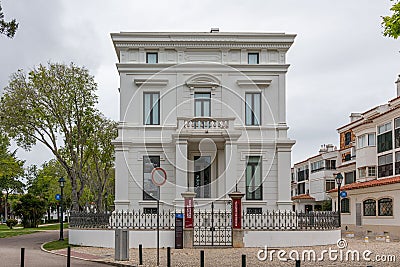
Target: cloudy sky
[340, 62]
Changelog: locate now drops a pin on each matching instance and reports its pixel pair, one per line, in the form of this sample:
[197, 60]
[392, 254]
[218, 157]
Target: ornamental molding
[203, 81]
[204, 44]
[259, 83]
[150, 82]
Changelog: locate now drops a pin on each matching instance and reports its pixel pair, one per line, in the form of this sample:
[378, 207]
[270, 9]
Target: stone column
[237, 231]
[284, 201]
[230, 165]
[121, 178]
[189, 219]
[181, 168]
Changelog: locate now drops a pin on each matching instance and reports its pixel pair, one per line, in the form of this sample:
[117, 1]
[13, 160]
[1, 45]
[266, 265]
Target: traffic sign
[343, 194]
[58, 197]
[158, 176]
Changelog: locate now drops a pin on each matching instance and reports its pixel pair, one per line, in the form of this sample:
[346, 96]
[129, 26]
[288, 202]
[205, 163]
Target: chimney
[398, 85]
[355, 116]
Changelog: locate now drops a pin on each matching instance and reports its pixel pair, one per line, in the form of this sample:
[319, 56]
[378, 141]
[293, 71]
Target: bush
[11, 223]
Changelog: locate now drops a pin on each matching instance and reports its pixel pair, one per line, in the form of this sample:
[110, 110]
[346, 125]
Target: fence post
[297, 263]
[69, 256]
[243, 260]
[22, 257]
[168, 256]
[140, 255]
[201, 258]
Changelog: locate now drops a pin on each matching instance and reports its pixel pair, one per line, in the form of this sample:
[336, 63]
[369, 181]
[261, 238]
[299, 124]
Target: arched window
[385, 207]
[369, 207]
[345, 205]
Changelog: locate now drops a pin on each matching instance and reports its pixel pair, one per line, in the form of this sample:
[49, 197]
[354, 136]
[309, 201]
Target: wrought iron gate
[212, 228]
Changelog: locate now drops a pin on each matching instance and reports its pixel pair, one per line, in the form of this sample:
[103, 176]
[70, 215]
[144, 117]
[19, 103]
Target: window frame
[250, 107]
[151, 108]
[147, 181]
[345, 205]
[151, 53]
[202, 102]
[372, 205]
[385, 169]
[384, 137]
[253, 180]
[249, 54]
[380, 202]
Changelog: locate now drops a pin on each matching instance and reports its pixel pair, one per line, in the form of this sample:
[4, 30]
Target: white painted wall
[290, 238]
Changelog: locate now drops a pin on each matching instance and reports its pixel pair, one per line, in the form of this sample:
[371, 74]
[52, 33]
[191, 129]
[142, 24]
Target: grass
[54, 245]
[6, 232]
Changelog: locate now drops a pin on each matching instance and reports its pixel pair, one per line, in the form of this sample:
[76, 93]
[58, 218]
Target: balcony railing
[208, 123]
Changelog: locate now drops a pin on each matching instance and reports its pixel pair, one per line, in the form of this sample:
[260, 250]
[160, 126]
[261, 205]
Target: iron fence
[89, 220]
[276, 220]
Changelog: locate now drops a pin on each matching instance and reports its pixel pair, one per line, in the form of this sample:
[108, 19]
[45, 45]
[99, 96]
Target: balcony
[205, 123]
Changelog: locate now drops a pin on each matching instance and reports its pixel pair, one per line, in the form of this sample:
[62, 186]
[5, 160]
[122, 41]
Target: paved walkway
[10, 252]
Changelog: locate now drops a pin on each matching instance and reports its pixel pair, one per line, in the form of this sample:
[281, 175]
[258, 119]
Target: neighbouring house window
[254, 210]
[397, 132]
[369, 207]
[371, 171]
[151, 57]
[302, 173]
[385, 165]
[385, 137]
[301, 188]
[329, 185]
[345, 205]
[253, 178]
[253, 58]
[397, 163]
[151, 108]
[150, 190]
[202, 104]
[253, 108]
[347, 138]
[362, 172]
[366, 140]
[346, 156]
[330, 164]
[317, 166]
[385, 207]
[349, 177]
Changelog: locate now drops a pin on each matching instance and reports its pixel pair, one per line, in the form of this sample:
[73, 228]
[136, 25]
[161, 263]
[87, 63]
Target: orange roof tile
[303, 196]
[373, 183]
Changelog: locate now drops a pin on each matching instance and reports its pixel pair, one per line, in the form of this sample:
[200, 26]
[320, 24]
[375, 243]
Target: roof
[373, 183]
[303, 196]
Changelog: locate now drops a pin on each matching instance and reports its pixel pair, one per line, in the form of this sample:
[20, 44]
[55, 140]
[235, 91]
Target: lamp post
[339, 179]
[61, 181]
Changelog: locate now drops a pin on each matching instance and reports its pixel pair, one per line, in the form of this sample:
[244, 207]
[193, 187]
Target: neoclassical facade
[210, 110]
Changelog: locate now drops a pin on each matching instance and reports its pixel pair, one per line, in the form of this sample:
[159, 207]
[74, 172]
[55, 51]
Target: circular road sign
[58, 197]
[343, 194]
[158, 176]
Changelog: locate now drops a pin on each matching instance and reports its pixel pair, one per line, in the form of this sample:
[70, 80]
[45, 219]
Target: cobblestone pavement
[374, 250]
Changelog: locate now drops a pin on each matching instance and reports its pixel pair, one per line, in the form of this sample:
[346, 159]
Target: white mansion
[208, 108]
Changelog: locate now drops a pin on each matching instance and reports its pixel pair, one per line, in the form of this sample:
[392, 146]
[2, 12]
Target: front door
[202, 176]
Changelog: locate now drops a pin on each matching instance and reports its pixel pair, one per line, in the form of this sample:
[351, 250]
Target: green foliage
[55, 245]
[391, 23]
[11, 223]
[7, 28]
[31, 209]
[327, 205]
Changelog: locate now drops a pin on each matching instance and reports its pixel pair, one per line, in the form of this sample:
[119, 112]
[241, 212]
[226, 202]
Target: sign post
[159, 177]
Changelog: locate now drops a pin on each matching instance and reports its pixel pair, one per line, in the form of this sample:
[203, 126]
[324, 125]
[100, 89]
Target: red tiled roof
[373, 183]
[303, 196]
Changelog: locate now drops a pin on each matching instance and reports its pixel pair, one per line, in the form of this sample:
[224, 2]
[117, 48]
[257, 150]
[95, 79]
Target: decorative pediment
[259, 83]
[150, 82]
[203, 81]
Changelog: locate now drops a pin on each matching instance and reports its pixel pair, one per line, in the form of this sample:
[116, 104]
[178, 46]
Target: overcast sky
[340, 62]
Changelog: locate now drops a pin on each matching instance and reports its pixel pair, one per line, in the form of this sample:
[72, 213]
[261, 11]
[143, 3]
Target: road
[10, 252]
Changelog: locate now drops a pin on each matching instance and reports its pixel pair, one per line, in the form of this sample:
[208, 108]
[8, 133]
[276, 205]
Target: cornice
[203, 43]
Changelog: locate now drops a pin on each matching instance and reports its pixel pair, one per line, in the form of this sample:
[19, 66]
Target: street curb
[79, 258]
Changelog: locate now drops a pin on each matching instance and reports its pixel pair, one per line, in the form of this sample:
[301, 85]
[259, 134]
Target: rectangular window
[301, 188]
[253, 58]
[371, 139]
[362, 172]
[302, 173]
[151, 113]
[253, 178]
[317, 166]
[372, 171]
[369, 207]
[347, 138]
[152, 58]
[150, 190]
[202, 104]
[253, 108]
[329, 185]
[385, 165]
[330, 164]
[397, 163]
[385, 141]
[349, 177]
[366, 140]
[361, 141]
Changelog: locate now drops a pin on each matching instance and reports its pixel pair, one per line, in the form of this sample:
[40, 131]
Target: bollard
[243, 260]
[168, 257]
[69, 256]
[297, 263]
[366, 240]
[201, 258]
[140, 255]
[22, 257]
[387, 239]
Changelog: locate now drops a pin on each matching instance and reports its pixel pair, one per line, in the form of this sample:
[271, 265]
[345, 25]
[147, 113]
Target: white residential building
[312, 178]
[208, 108]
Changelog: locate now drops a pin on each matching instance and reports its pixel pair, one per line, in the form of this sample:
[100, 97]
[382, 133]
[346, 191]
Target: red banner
[189, 211]
[237, 213]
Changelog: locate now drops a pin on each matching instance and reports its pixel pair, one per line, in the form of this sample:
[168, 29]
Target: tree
[11, 170]
[7, 28]
[391, 23]
[53, 102]
[31, 208]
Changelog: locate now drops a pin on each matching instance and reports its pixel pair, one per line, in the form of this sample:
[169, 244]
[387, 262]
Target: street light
[339, 180]
[61, 181]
